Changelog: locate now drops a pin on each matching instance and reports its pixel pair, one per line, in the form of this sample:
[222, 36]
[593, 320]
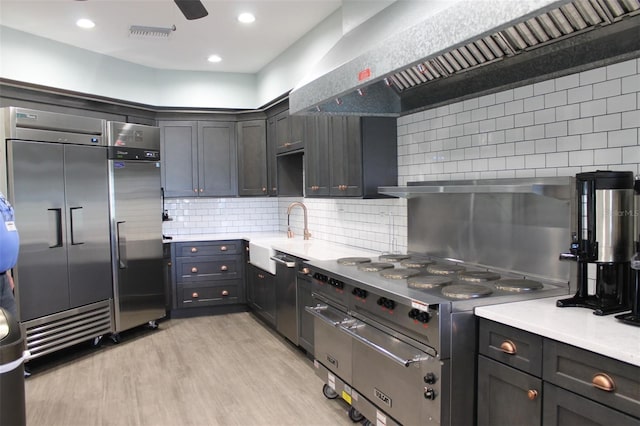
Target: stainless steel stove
[398, 343]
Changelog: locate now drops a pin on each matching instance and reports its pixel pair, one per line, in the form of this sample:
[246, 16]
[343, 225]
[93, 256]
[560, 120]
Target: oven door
[400, 378]
[332, 347]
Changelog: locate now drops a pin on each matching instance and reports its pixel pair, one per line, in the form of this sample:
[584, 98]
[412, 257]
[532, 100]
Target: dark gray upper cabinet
[252, 158]
[198, 158]
[357, 153]
[316, 155]
[272, 165]
[289, 132]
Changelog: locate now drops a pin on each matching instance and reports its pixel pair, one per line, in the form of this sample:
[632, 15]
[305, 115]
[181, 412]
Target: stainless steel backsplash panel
[522, 233]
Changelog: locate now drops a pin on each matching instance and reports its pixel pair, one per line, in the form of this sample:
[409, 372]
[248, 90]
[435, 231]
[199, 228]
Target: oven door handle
[395, 358]
[316, 311]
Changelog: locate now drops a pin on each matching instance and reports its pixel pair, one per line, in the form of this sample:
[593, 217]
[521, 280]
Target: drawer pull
[194, 249]
[306, 271]
[223, 248]
[194, 270]
[224, 267]
[603, 382]
[194, 295]
[532, 394]
[508, 347]
[225, 293]
[260, 276]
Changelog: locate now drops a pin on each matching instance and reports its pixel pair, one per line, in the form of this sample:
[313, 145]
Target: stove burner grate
[518, 285]
[393, 257]
[445, 269]
[374, 266]
[416, 263]
[466, 291]
[428, 281]
[399, 273]
[352, 261]
[478, 276]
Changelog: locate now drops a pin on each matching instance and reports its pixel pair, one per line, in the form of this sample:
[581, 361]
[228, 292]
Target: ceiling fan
[192, 9]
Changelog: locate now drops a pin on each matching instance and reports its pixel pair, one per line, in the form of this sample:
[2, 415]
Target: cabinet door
[272, 164]
[283, 140]
[252, 158]
[179, 156]
[564, 408]
[216, 159]
[345, 157]
[316, 155]
[507, 396]
[305, 319]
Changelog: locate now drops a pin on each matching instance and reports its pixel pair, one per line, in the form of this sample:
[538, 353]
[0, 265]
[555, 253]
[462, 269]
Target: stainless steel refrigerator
[56, 179]
[136, 225]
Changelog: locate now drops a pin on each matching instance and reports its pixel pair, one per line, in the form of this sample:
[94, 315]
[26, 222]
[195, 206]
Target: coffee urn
[633, 317]
[604, 236]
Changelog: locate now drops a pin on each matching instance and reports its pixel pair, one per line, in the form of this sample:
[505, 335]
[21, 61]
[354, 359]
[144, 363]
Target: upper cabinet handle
[194, 249]
[603, 382]
[223, 248]
[508, 347]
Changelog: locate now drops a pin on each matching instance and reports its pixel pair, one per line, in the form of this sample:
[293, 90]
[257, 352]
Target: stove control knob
[430, 378]
[429, 393]
[358, 292]
[389, 304]
[413, 313]
[381, 301]
[424, 317]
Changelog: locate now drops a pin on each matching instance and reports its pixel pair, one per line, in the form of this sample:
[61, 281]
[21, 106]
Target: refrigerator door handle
[122, 245]
[77, 226]
[55, 227]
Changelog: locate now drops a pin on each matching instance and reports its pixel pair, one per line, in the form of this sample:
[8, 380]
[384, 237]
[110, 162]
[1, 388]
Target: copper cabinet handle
[194, 249]
[225, 292]
[306, 270]
[194, 269]
[224, 267]
[195, 190]
[287, 144]
[168, 263]
[194, 295]
[603, 382]
[201, 190]
[223, 248]
[508, 347]
[264, 189]
[274, 189]
[260, 276]
[532, 394]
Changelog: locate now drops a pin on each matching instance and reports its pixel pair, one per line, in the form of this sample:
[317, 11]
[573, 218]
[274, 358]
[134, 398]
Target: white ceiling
[243, 48]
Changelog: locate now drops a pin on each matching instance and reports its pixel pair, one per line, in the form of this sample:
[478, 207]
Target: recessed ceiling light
[85, 23]
[246, 18]
[214, 58]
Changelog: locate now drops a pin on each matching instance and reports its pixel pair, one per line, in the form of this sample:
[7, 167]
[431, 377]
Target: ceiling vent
[139, 31]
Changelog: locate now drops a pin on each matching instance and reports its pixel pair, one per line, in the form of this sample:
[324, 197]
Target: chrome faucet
[307, 234]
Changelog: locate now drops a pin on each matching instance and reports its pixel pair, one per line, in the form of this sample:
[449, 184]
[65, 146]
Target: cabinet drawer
[200, 268]
[208, 293]
[562, 407]
[507, 396]
[579, 371]
[208, 248]
[517, 348]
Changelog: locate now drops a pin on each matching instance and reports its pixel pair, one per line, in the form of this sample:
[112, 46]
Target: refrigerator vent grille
[64, 329]
[566, 21]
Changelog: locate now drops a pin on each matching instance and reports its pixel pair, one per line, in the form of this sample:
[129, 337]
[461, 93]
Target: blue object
[9, 239]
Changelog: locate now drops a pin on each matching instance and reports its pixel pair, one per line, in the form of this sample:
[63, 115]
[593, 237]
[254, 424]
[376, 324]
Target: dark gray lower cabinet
[261, 293]
[562, 407]
[305, 319]
[526, 379]
[507, 396]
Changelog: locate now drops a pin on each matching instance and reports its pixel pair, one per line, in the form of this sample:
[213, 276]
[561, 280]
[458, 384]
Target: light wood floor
[212, 370]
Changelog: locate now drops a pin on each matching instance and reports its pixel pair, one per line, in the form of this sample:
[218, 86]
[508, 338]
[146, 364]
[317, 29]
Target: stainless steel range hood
[466, 48]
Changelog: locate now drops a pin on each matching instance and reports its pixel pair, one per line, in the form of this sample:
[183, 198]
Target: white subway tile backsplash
[621, 69]
[545, 145]
[580, 126]
[594, 140]
[559, 128]
[545, 116]
[534, 161]
[631, 119]
[607, 122]
[567, 82]
[533, 132]
[581, 158]
[534, 103]
[580, 94]
[555, 99]
[470, 104]
[557, 159]
[503, 123]
[514, 135]
[525, 147]
[495, 111]
[497, 163]
[487, 125]
[591, 108]
[505, 96]
[631, 154]
[593, 76]
[608, 156]
[523, 92]
[524, 119]
[631, 84]
[625, 137]
[506, 149]
[487, 100]
[607, 89]
[544, 87]
[621, 103]
[568, 112]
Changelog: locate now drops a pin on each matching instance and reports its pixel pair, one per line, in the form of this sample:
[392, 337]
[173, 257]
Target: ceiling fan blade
[192, 9]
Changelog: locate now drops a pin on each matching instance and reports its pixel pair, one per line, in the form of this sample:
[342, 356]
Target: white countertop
[579, 327]
[224, 236]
